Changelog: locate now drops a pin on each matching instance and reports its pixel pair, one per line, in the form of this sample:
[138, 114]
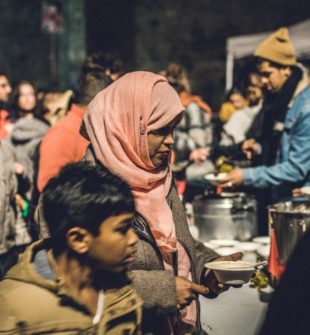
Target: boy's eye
[123, 229]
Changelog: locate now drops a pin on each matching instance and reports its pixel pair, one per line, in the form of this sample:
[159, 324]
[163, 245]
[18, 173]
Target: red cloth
[275, 266]
[5, 124]
[61, 145]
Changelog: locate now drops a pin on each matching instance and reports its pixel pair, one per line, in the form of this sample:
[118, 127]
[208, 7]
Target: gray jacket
[12, 228]
[156, 286]
[25, 138]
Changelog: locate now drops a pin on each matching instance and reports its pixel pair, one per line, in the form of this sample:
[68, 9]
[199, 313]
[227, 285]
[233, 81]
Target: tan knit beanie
[278, 48]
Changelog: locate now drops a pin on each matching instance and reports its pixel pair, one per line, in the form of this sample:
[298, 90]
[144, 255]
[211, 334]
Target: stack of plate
[264, 248]
[259, 246]
[222, 247]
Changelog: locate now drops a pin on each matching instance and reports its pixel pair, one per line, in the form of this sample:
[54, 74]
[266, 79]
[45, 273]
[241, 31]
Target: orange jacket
[61, 145]
[5, 124]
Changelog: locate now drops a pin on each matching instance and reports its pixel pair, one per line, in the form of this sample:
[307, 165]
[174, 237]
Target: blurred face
[237, 100]
[254, 95]
[27, 98]
[160, 143]
[273, 78]
[115, 245]
[5, 89]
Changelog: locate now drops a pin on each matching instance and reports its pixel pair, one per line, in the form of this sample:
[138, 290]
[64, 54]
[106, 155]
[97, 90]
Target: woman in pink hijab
[130, 125]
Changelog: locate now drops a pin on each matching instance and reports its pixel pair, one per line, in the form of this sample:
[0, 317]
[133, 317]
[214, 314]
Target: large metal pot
[225, 216]
[290, 221]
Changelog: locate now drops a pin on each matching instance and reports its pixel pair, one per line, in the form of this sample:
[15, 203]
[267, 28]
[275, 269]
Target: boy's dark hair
[83, 196]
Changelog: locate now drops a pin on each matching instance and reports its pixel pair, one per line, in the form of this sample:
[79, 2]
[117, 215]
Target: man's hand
[186, 291]
[199, 155]
[234, 177]
[296, 192]
[250, 147]
[210, 280]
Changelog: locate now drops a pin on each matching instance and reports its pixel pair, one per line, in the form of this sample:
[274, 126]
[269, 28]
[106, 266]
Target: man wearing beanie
[283, 145]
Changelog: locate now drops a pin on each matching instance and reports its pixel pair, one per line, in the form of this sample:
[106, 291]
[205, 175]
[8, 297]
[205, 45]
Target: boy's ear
[78, 239]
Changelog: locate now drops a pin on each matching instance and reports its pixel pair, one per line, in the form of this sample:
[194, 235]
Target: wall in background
[147, 34]
[27, 52]
[194, 34]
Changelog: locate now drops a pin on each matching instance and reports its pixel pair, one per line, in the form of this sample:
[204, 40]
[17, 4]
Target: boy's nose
[133, 237]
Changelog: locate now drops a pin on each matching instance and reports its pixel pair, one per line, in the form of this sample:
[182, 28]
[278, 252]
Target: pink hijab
[117, 122]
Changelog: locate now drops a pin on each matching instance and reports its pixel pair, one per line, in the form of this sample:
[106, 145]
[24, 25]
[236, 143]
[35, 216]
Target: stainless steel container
[225, 216]
[290, 221]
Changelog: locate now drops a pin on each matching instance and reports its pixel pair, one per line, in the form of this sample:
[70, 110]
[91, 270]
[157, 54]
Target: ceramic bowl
[247, 246]
[224, 251]
[232, 273]
[263, 240]
[264, 251]
[224, 243]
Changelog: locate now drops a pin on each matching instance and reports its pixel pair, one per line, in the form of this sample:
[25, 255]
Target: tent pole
[229, 70]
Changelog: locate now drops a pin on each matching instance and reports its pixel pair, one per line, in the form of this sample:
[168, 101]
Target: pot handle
[244, 208]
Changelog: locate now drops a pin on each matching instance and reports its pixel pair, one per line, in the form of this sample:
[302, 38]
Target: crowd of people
[94, 235]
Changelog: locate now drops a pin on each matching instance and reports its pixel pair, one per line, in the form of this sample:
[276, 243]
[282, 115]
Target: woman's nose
[169, 140]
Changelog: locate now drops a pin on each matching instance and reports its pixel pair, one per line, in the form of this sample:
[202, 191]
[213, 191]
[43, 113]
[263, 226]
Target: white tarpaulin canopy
[245, 45]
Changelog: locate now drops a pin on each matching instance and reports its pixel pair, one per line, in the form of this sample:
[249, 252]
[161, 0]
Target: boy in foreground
[75, 282]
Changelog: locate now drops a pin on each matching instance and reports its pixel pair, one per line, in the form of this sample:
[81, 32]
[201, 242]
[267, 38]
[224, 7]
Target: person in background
[55, 105]
[193, 135]
[235, 101]
[105, 62]
[76, 281]
[13, 232]
[29, 129]
[6, 125]
[289, 309]
[130, 126]
[285, 140]
[227, 109]
[63, 143]
[23, 101]
[235, 129]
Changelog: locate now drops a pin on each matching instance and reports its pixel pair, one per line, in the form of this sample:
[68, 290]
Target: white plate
[224, 251]
[264, 251]
[210, 245]
[216, 178]
[261, 240]
[247, 246]
[224, 243]
[305, 191]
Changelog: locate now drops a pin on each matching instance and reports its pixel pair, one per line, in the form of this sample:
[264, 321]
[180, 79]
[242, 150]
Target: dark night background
[147, 34]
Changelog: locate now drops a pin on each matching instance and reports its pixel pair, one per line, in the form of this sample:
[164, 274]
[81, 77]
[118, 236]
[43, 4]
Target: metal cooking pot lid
[231, 194]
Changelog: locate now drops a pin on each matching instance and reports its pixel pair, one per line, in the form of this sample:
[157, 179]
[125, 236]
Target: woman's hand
[187, 291]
